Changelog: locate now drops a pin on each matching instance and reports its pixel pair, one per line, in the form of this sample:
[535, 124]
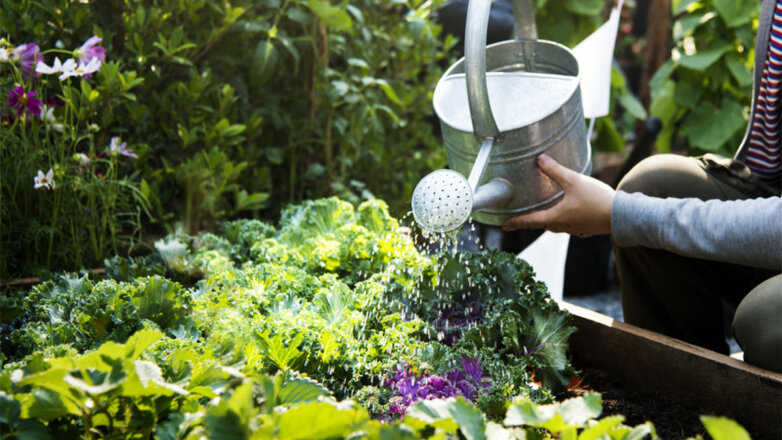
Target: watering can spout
[495, 193]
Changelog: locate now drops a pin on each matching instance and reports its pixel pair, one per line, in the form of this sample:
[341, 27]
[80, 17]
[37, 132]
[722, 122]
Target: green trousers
[683, 297]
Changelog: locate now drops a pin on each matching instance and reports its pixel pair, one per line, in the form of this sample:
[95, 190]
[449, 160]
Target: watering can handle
[524, 27]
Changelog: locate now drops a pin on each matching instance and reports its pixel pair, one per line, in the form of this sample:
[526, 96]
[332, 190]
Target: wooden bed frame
[649, 362]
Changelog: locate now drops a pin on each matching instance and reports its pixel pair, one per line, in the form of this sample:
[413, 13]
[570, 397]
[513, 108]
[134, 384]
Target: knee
[661, 175]
[757, 325]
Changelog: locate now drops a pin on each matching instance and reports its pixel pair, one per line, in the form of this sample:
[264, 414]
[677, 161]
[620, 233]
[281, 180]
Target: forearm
[747, 232]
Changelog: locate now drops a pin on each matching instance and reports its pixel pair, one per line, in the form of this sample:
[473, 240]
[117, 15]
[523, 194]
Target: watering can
[501, 106]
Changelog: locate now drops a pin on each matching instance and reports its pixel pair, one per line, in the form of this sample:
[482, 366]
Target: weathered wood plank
[649, 362]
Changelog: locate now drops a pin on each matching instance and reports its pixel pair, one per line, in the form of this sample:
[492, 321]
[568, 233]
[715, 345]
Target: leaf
[250, 202]
[550, 332]
[32, 430]
[241, 403]
[525, 412]
[383, 84]
[709, 127]
[263, 64]
[9, 409]
[471, 422]
[232, 130]
[703, 59]
[679, 6]
[329, 346]
[585, 7]
[577, 411]
[324, 420]
[147, 371]
[740, 72]
[608, 138]
[287, 43]
[736, 12]
[146, 379]
[663, 106]
[632, 105]
[331, 16]
[160, 301]
[358, 62]
[660, 78]
[685, 25]
[340, 87]
[177, 427]
[224, 422]
[275, 350]
[394, 117]
[96, 382]
[333, 304]
[723, 428]
[468, 419]
[300, 389]
[46, 378]
[687, 94]
[139, 342]
[46, 405]
[601, 428]
[495, 431]
[641, 432]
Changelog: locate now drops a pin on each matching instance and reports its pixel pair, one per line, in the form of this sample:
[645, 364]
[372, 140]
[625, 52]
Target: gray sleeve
[747, 232]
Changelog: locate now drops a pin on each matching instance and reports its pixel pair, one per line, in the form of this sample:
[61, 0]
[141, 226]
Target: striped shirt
[763, 154]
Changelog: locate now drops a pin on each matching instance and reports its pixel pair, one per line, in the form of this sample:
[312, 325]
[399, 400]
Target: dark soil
[672, 419]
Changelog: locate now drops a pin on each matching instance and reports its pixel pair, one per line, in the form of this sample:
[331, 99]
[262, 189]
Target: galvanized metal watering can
[499, 108]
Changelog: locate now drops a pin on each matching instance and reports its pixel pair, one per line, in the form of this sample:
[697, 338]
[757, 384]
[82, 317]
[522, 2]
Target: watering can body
[524, 96]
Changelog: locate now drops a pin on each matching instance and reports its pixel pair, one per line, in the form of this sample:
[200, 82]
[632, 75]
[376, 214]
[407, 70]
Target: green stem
[55, 212]
[91, 226]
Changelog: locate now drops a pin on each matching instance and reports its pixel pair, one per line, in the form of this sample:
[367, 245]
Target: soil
[672, 419]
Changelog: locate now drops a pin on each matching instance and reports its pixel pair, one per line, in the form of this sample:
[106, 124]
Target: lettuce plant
[335, 293]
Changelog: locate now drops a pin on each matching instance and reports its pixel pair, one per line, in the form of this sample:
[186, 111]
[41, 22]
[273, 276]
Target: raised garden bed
[631, 365]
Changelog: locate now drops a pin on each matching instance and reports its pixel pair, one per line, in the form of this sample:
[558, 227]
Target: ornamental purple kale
[408, 388]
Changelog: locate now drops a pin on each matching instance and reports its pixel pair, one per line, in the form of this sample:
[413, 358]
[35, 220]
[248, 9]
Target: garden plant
[70, 190]
[333, 317]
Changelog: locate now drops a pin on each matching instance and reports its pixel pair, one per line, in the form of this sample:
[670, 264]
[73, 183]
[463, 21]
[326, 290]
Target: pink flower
[29, 55]
[20, 101]
[116, 148]
[89, 51]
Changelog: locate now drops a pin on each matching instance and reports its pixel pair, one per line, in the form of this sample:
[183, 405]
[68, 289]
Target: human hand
[584, 210]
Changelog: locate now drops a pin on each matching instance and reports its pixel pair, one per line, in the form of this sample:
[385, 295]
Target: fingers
[562, 175]
[534, 220]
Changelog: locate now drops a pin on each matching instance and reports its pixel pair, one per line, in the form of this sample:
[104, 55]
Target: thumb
[562, 175]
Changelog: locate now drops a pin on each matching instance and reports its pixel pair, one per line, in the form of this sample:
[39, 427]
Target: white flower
[71, 68]
[46, 181]
[47, 114]
[41, 67]
[5, 54]
[14, 54]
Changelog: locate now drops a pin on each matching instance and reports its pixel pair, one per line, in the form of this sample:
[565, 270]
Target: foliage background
[702, 94]
[244, 107]
[241, 108]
